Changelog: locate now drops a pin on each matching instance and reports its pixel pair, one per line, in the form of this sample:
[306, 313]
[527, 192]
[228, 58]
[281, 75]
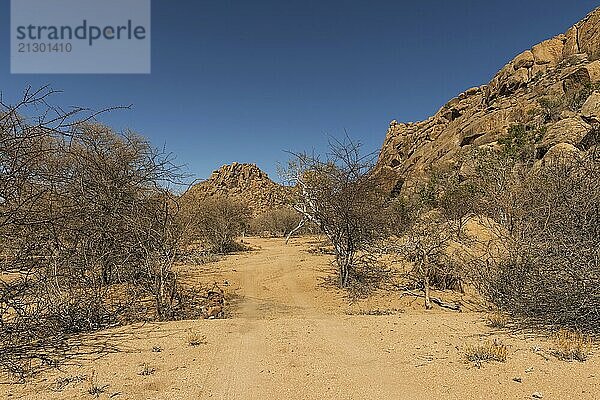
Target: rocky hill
[552, 87]
[245, 183]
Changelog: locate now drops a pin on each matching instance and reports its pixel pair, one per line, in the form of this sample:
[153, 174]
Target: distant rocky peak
[237, 175]
[245, 183]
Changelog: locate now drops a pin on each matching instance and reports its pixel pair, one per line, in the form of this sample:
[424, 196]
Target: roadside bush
[87, 229]
[547, 272]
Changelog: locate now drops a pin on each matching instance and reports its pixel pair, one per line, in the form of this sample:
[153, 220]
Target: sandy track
[290, 338]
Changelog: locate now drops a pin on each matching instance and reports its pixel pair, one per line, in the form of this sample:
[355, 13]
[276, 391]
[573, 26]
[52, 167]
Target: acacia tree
[340, 195]
[87, 227]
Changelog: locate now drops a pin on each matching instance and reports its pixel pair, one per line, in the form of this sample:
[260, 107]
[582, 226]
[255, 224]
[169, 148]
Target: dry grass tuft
[61, 383]
[146, 370]
[376, 311]
[194, 338]
[487, 351]
[572, 346]
[497, 320]
[94, 388]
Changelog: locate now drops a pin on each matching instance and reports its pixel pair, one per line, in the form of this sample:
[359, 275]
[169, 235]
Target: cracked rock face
[562, 68]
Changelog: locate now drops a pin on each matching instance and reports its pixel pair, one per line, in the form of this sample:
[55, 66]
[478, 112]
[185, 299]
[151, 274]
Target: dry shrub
[427, 224]
[94, 388]
[551, 108]
[497, 320]
[275, 223]
[87, 228]
[426, 245]
[572, 346]
[341, 195]
[193, 255]
[487, 351]
[573, 100]
[146, 370]
[216, 222]
[195, 338]
[61, 384]
[576, 98]
[370, 273]
[375, 312]
[544, 269]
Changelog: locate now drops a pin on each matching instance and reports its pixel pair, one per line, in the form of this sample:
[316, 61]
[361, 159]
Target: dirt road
[291, 338]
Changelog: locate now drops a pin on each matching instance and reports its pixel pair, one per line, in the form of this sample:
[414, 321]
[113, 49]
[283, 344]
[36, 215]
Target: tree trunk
[298, 227]
[428, 305]
[343, 271]
[345, 276]
[343, 262]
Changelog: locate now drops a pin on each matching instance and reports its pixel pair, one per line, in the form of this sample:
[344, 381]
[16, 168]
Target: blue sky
[245, 80]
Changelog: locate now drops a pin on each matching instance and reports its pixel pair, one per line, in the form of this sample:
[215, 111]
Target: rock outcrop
[245, 183]
[591, 108]
[550, 86]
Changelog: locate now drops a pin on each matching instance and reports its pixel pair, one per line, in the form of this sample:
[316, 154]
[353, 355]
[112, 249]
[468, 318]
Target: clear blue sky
[244, 80]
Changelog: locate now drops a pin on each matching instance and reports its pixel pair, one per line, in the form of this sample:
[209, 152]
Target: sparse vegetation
[94, 388]
[492, 203]
[552, 107]
[577, 93]
[486, 351]
[87, 228]
[497, 320]
[520, 141]
[543, 266]
[425, 245]
[575, 99]
[425, 225]
[147, 370]
[275, 223]
[61, 384]
[195, 338]
[376, 311]
[572, 346]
